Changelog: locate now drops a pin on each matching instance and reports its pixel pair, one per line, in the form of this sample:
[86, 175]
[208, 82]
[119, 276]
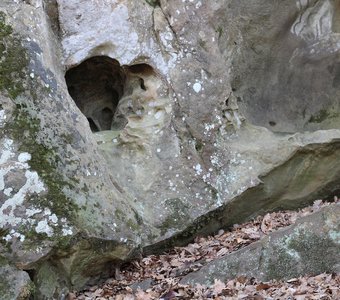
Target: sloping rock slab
[310, 246]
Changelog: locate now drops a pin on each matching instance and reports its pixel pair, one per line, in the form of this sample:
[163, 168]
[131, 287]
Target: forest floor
[158, 276]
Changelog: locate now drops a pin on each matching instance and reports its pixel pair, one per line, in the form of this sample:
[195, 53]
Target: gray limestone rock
[192, 139]
[311, 246]
[15, 284]
[57, 202]
[129, 125]
[228, 113]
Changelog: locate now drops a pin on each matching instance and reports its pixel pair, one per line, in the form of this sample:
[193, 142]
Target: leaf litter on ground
[158, 276]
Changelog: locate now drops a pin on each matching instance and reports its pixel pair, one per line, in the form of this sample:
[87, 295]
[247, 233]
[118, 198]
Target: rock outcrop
[311, 246]
[58, 203]
[134, 125]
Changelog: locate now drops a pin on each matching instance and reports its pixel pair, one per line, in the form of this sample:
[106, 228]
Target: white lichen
[53, 218]
[43, 227]
[33, 211]
[8, 192]
[198, 169]
[24, 157]
[197, 87]
[2, 117]
[67, 231]
[31, 184]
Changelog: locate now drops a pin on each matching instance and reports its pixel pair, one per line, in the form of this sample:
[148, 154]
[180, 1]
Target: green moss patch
[321, 116]
[178, 216]
[24, 128]
[311, 252]
[13, 60]
[153, 3]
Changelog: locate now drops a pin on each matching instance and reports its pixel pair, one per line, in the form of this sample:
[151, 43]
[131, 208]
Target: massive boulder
[129, 126]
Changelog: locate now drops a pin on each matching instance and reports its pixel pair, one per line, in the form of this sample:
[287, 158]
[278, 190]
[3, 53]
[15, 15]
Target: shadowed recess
[96, 85]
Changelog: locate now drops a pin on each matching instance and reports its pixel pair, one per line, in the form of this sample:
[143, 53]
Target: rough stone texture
[14, 284]
[225, 109]
[56, 201]
[311, 246]
[242, 105]
[295, 88]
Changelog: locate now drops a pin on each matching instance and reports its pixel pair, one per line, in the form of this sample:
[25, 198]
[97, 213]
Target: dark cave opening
[96, 85]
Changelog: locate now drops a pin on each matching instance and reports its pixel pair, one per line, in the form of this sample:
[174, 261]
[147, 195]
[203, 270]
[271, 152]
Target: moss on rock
[311, 248]
[153, 3]
[322, 115]
[178, 217]
[301, 251]
[24, 127]
[13, 60]
[44, 161]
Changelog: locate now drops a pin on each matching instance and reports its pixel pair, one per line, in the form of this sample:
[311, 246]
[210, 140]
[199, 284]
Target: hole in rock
[109, 94]
[93, 126]
[142, 84]
[31, 273]
[96, 85]
[142, 69]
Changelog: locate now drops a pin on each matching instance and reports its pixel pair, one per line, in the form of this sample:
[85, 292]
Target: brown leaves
[323, 286]
[262, 286]
[141, 295]
[159, 275]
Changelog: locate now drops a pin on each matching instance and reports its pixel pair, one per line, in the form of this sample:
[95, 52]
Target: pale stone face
[202, 112]
[227, 71]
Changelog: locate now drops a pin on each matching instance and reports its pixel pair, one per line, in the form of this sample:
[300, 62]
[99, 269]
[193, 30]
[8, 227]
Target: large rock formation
[58, 202]
[134, 125]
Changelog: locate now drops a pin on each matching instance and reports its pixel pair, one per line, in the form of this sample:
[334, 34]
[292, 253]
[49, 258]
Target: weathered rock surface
[15, 284]
[186, 116]
[194, 139]
[311, 246]
[192, 147]
[57, 202]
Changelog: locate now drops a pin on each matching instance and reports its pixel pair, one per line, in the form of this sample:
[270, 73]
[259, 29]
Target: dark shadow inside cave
[336, 18]
[96, 85]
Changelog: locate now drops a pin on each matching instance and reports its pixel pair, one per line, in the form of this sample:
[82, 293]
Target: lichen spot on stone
[197, 87]
[24, 157]
[2, 117]
[43, 227]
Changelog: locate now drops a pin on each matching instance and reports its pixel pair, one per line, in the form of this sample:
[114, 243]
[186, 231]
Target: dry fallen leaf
[176, 263]
[222, 252]
[71, 296]
[141, 295]
[218, 286]
[262, 286]
[242, 279]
